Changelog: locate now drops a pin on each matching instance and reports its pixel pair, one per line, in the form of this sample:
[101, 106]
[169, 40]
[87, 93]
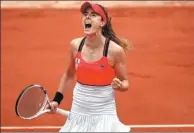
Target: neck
[95, 40]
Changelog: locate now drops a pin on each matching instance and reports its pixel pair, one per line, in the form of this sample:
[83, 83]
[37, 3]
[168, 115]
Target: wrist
[58, 97]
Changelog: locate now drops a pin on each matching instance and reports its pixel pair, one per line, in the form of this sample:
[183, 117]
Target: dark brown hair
[108, 32]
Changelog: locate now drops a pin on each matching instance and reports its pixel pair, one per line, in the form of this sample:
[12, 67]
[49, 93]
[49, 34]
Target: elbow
[70, 74]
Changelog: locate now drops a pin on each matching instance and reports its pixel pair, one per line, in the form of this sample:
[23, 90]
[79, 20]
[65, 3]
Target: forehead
[89, 10]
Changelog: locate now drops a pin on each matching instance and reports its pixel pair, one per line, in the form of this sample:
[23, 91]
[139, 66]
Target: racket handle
[62, 112]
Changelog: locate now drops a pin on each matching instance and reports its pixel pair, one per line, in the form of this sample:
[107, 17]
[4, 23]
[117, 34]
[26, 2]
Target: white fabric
[93, 110]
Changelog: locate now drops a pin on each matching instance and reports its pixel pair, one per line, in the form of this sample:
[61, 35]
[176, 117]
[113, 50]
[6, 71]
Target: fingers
[53, 107]
[116, 83]
[48, 106]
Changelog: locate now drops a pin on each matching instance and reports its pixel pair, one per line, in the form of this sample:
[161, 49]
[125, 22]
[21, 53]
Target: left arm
[121, 81]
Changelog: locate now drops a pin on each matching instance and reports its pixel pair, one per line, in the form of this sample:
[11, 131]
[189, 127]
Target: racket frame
[42, 109]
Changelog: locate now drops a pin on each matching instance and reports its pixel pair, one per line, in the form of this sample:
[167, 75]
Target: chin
[89, 33]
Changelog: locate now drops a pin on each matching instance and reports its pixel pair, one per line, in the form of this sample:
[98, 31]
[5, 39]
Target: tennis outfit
[93, 108]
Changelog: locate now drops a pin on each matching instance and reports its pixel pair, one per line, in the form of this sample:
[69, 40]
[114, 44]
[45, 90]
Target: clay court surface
[160, 67]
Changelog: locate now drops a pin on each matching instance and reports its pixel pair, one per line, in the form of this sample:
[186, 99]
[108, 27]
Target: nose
[88, 16]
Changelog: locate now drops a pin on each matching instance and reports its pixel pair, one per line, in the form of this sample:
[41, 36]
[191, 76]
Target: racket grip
[62, 112]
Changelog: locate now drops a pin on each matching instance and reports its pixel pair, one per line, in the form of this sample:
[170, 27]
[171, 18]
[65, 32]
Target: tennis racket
[32, 102]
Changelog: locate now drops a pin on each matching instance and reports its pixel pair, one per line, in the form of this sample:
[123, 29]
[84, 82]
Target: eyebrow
[91, 12]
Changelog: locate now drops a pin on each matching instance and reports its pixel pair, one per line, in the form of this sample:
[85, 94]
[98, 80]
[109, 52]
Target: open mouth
[88, 26]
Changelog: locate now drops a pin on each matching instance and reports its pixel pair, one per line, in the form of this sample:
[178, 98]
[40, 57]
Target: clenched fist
[119, 85]
[53, 107]
[116, 83]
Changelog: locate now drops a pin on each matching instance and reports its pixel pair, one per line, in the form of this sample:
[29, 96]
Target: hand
[116, 83]
[53, 107]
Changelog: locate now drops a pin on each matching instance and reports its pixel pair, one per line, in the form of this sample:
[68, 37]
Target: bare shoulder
[75, 43]
[116, 50]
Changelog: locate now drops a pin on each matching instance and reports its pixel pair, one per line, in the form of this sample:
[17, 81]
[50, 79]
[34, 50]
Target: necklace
[91, 51]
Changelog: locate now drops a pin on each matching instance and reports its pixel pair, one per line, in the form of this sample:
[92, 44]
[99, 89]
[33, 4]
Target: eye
[93, 14]
[85, 14]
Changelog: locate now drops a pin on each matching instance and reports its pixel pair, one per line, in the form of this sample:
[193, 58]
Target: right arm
[68, 76]
[67, 79]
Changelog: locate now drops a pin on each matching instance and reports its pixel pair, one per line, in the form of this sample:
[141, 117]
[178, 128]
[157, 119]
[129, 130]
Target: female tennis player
[98, 61]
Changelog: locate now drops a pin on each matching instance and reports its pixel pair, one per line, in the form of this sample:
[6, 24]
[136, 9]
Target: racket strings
[31, 102]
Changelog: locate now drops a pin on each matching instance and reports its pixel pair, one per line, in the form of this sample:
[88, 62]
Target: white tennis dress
[93, 110]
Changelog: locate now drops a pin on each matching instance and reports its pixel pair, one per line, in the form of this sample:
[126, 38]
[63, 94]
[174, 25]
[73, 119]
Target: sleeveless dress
[93, 108]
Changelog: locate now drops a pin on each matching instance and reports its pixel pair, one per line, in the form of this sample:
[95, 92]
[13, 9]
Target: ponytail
[109, 33]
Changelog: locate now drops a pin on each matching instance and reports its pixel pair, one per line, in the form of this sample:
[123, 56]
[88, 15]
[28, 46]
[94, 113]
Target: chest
[95, 56]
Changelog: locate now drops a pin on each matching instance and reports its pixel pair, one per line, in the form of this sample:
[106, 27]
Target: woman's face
[92, 22]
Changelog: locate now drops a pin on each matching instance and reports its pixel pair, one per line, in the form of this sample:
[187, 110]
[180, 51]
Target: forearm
[66, 82]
